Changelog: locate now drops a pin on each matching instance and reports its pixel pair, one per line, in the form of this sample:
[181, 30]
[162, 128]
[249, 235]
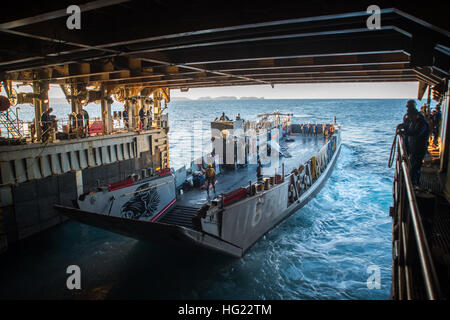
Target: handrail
[424, 253]
[118, 124]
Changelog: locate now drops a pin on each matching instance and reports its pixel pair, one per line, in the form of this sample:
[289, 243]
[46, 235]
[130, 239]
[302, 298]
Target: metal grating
[180, 216]
[440, 236]
[429, 180]
[440, 245]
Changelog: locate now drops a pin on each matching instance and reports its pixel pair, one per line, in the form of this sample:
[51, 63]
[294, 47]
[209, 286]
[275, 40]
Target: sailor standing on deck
[46, 124]
[416, 131]
[259, 174]
[210, 178]
[325, 131]
[410, 106]
[437, 116]
[223, 117]
[125, 116]
[142, 114]
[86, 128]
[410, 109]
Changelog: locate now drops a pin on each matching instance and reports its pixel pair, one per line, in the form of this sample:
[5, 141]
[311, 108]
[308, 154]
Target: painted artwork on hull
[143, 204]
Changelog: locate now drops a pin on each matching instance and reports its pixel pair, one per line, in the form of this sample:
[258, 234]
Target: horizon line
[262, 98]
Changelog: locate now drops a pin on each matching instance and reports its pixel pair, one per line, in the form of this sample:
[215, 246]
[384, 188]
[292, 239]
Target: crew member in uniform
[46, 124]
[259, 174]
[86, 127]
[142, 114]
[325, 132]
[416, 131]
[125, 116]
[223, 117]
[210, 178]
[437, 117]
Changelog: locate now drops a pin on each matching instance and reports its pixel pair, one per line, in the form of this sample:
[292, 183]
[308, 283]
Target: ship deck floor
[435, 212]
[301, 150]
[430, 179]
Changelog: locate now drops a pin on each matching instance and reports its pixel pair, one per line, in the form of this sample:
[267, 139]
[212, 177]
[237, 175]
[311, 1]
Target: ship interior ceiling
[308, 44]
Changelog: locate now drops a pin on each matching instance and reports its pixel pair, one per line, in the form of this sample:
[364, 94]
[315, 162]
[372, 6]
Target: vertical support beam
[106, 116]
[157, 97]
[110, 120]
[444, 137]
[43, 91]
[132, 115]
[73, 101]
[75, 109]
[37, 111]
[104, 112]
[137, 108]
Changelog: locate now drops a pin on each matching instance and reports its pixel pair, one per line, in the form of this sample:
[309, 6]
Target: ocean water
[323, 251]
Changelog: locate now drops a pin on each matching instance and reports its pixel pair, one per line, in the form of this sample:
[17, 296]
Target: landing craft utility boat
[168, 206]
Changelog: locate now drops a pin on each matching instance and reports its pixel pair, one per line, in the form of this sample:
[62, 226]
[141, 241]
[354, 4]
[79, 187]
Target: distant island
[251, 98]
[217, 98]
[59, 100]
[179, 99]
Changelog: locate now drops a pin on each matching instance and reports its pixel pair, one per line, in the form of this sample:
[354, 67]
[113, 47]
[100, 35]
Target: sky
[368, 90]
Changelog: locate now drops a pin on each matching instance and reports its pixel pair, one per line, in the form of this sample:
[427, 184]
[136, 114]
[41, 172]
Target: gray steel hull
[151, 231]
[186, 237]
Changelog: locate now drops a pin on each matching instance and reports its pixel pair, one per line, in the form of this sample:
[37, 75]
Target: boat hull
[181, 236]
[156, 232]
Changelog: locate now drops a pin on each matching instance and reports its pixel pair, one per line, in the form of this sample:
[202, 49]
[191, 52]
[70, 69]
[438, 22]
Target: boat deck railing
[410, 244]
[303, 177]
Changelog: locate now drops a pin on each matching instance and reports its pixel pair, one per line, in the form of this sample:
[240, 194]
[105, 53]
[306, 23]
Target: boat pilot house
[111, 168]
